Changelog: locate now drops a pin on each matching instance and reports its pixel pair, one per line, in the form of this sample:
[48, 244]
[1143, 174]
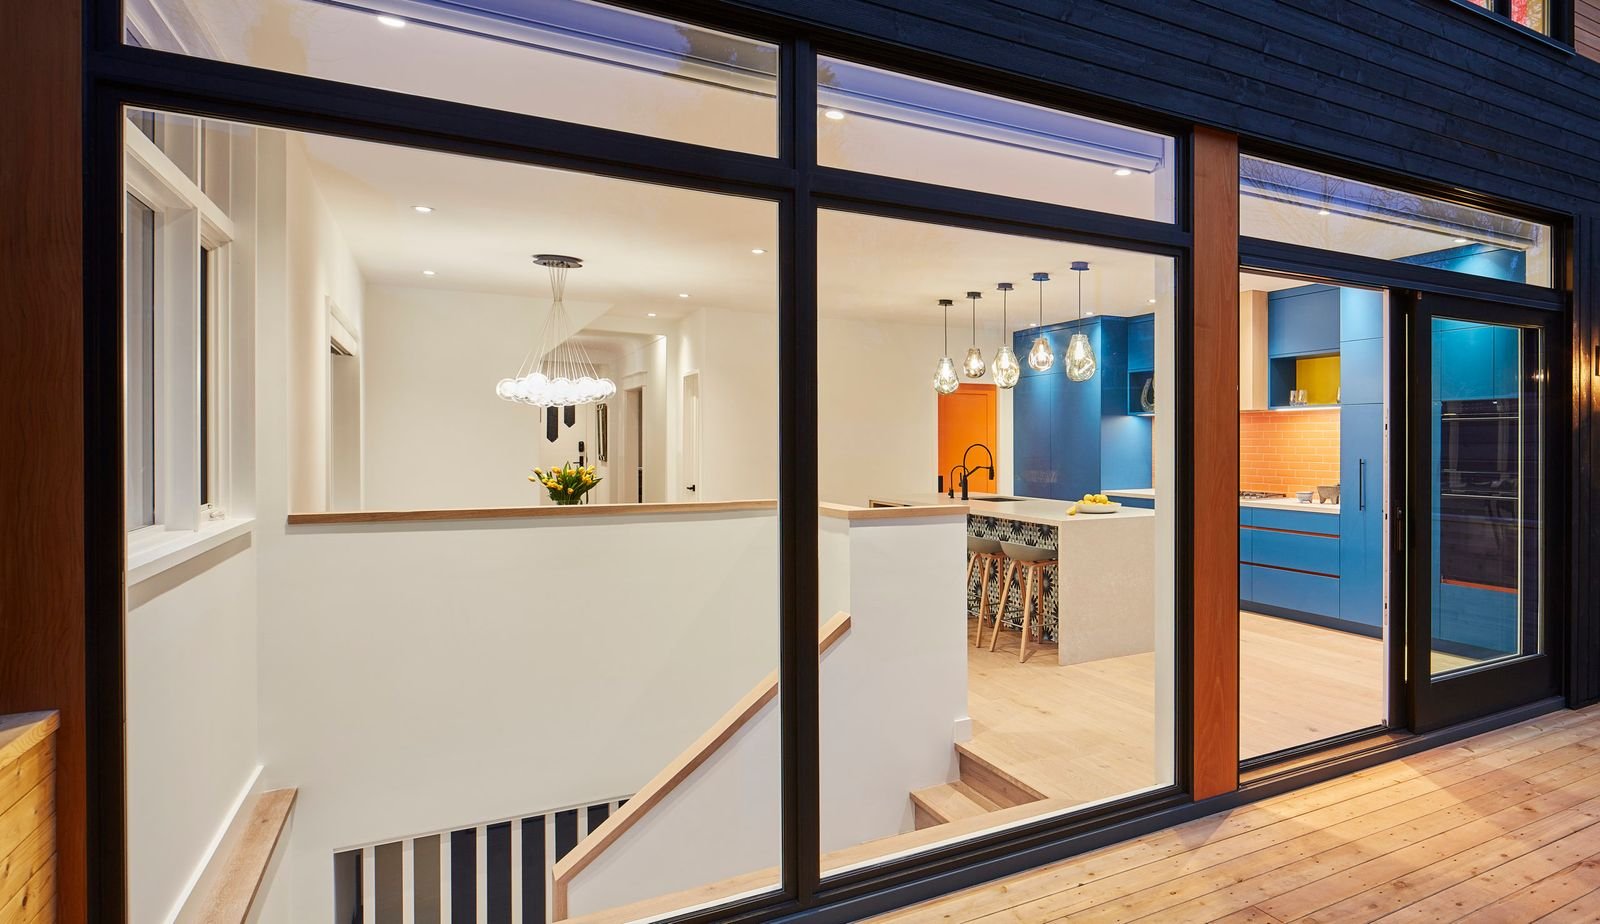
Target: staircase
[983, 787]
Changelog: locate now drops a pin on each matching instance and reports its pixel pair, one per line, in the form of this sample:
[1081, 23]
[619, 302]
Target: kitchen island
[1102, 602]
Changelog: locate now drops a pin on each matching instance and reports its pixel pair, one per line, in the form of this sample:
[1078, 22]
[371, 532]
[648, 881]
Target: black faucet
[965, 470]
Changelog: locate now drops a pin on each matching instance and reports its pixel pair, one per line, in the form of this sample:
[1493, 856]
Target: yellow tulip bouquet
[567, 484]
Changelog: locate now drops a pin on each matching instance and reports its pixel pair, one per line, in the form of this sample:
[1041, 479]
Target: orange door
[967, 416]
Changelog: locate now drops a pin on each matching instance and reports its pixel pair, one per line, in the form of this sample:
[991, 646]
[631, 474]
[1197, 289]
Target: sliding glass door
[1480, 509]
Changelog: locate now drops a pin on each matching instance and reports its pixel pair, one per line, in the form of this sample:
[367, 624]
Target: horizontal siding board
[1301, 59]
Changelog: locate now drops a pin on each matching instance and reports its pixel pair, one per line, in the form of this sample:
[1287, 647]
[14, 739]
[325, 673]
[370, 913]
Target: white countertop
[1029, 510]
[1269, 503]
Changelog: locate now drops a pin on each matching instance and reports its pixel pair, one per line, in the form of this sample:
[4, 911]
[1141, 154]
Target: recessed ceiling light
[1323, 212]
[683, 294]
[650, 314]
[834, 114]
[1152, 301]
[429, 273]
[758, 251]
[1461, 240]
[1123, 171]
[422, 209]
[393, 22]
[1089, 314]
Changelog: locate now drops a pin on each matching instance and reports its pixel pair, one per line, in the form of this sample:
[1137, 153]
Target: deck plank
[1501, 827]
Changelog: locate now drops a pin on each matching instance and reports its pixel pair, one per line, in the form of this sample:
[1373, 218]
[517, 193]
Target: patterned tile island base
[1101, 599]
[1034, 534]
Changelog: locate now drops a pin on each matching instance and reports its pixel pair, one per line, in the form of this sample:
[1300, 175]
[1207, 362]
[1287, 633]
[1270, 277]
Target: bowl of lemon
[1094, 503]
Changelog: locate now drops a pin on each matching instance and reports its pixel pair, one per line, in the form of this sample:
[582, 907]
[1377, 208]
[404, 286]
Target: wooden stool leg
[1005, 594]
[983, 592]
[972, 562]
[1027, 612]
[1040, 611]
[994, 635]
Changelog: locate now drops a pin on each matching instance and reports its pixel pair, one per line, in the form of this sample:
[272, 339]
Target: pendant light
[944, 378]
[557, 372]
[973, 366]
[1081, 365]
[1040, 356]
[1005, 366]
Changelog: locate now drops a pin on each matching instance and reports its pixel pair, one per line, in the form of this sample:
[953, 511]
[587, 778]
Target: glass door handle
[1361, 485]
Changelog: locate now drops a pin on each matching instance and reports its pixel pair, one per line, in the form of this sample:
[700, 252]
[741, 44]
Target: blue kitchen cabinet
[1279, 592]
[1289, 562]
[1302, 521]
[1033, 409]
[1360, 314]
[1142, 343]
[1361, 372]
[1303, 321]
[1478, 260]
[1361, 524]
[1075, 438]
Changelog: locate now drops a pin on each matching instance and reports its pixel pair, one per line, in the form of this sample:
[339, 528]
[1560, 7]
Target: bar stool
[981, 553]
[1032, 562]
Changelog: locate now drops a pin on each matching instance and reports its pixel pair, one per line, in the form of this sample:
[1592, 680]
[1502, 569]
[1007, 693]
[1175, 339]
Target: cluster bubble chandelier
[557, 372]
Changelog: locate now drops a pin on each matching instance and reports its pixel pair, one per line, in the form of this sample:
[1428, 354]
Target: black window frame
[1558, 19]
[119, 75]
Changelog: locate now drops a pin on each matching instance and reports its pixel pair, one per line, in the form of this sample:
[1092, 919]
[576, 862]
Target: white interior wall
[893, 693]
[319, 268]
[191, 719]
[410, 668]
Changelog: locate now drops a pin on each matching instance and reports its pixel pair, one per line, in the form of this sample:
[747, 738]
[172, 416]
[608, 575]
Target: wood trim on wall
[42, 482]
[1215, 701]
[682, 766]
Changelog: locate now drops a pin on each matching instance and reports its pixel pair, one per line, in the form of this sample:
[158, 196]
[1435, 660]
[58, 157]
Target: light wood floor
[1088, 731]
[1501, 828]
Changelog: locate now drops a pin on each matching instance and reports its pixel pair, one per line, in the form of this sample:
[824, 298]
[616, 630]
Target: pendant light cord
[1080, 295]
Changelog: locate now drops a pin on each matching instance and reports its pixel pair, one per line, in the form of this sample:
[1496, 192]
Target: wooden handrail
[590, 848]
[337, 517]
[231, 882]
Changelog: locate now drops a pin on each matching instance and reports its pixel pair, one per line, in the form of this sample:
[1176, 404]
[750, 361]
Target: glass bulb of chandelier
[944, 378]
[1080, 359]
[973, 366]
[1006, 368]
[1040, 356]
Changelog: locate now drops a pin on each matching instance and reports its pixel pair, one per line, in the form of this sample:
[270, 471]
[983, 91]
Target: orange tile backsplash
[1288, 451]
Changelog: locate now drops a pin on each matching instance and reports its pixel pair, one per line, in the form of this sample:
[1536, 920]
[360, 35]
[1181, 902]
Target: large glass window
[1295, 205]
[877, 121]
[562, 59]
[1010, 648]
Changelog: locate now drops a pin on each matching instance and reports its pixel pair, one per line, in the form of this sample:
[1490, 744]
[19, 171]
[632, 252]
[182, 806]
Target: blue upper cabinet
[1303, 321]
[1073, 438]
[1478, 259]
[1507, 363]
[1360, 314]
[1142, 343]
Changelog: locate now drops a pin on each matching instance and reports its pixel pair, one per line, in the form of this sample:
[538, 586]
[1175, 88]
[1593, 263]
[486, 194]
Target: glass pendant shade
[973, 365]
[1080, 361]
[1005, 366]
[1040, 356]
[944, 378]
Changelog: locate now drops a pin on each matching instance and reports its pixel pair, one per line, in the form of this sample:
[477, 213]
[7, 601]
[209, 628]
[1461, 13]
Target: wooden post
[1215, 704]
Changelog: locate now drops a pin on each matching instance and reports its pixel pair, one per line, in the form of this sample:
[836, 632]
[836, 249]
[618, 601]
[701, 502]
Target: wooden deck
[1499, 828]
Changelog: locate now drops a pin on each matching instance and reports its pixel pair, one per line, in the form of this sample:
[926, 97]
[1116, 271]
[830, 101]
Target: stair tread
[953, 801]
[972, 752]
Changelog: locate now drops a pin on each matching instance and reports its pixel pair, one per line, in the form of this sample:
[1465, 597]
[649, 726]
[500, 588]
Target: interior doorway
[630, 461]
[689, 457]
[967, 416]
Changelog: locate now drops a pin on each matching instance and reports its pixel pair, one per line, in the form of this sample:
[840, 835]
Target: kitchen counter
[1100, 598]
[1044, 511]
[1269, 503]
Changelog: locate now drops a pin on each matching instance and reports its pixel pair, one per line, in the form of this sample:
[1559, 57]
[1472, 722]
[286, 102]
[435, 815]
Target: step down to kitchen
[982, 788]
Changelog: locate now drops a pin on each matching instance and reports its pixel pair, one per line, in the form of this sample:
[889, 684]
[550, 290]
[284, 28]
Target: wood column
[1215, 704]
[42, 574]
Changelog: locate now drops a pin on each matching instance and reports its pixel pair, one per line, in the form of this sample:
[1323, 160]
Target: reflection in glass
[1487, 503]
[1282, 202]
[139, 342]
[877, 121]
[561, 59]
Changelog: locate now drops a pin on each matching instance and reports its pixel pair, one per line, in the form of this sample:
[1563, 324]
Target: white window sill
[148, 557]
